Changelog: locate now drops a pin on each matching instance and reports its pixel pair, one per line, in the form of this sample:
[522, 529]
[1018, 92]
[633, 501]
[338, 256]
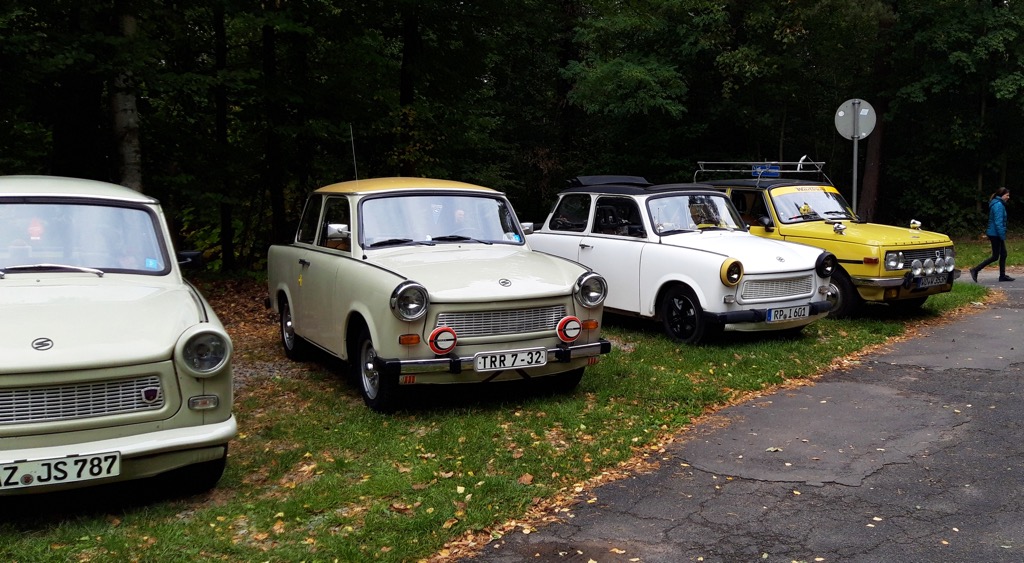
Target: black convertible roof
[631, 185]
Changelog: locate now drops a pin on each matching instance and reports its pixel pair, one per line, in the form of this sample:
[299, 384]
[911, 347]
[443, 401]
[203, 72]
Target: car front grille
[487, 323]
[67, 402]
[910, 255]
[777, 288]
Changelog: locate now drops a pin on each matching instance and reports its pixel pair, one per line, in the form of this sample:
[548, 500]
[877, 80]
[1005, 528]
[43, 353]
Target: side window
[310, 222]
[337, 233]
[571, 214]
[618, 216]
[758, 208]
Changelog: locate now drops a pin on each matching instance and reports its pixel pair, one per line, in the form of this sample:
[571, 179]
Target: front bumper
[759, 315]
[453, 363]
[907, 281]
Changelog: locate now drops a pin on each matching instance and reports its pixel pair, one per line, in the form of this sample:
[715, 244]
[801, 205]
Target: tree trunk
[272, 171]
[411, 47]
[227, 225]
[868, 201]
[126, 118]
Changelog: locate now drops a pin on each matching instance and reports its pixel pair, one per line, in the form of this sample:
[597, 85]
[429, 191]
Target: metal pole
[856, 138]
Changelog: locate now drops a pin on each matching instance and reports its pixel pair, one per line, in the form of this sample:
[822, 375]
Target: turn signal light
[590, 324]
[409, 339]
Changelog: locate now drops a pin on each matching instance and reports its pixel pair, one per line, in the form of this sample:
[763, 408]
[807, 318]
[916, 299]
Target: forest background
[230, 112]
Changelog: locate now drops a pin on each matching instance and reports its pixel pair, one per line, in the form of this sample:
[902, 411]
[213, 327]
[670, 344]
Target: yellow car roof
[383, 184]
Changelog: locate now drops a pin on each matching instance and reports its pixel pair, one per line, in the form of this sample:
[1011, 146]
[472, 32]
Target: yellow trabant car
[415, 281]
[900, 266]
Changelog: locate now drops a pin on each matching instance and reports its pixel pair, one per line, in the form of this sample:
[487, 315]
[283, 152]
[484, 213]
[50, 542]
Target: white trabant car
[112, 366]
[680, 253]
[419, 281]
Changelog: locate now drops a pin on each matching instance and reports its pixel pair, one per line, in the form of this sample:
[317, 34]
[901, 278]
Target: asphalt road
[916, 454]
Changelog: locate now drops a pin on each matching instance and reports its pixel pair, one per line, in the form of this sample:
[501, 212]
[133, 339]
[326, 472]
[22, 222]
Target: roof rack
[766, 169]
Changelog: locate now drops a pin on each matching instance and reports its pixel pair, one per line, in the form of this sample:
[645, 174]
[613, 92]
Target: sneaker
[974, 275]
[1005, 278]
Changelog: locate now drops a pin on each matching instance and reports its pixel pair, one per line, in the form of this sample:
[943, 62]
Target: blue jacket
[996, 218]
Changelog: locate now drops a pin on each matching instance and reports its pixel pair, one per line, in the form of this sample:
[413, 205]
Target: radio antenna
[352, 137]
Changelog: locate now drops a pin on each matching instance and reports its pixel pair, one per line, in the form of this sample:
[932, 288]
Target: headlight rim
[396, 295]
[189, 338]
[585, 279]
[723, 272]
[821, 264]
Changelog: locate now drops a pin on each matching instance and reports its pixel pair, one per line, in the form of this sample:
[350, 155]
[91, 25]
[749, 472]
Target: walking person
[996, 234]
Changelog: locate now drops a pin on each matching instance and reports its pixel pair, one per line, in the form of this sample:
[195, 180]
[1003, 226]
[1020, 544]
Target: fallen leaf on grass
[526, 479]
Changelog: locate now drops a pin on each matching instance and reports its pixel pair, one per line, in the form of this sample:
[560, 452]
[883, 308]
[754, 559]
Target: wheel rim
[682, 317]
[287, 330]
[370, 376]
[835, 297]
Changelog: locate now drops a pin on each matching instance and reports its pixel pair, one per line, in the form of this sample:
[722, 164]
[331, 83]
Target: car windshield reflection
[62, 236]
[684, 213]
[801, 204]
[437, 219]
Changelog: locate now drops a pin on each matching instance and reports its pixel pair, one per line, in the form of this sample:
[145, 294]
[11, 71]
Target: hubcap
[371, 377]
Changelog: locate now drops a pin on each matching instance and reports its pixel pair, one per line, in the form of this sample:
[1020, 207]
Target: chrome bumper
[906, 281]
[453, 363]
[759, 315]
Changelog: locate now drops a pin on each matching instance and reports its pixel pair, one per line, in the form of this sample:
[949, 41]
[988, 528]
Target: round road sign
[855, 119]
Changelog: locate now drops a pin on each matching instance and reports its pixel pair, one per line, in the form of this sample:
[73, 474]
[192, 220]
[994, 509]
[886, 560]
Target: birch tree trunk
[126, 119]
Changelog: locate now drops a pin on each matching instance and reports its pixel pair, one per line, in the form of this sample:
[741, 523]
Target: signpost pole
[855, 114]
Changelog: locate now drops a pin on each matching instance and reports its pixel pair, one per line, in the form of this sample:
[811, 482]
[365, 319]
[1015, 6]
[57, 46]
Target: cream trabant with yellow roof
[419, 281]
[901, 266]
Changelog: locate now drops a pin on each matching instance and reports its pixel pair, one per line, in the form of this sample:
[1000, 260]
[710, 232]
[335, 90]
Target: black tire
[843, 296]
[683, 318]
[564, 383]
[199, 477]
[379, 392]
[295, 347]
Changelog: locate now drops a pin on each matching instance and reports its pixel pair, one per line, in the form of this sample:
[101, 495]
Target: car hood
[872, 234]
[91, 324]
[484, 273]
[757, 254]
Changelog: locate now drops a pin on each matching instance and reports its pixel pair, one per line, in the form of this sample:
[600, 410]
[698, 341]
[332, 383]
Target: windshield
[798, 204]
[437, 218]
[692, 212]
[60, 234]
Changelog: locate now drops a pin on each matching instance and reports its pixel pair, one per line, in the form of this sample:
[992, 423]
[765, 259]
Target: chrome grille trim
[488, 323]
[86, 400]
[777, 288]
[909, 255]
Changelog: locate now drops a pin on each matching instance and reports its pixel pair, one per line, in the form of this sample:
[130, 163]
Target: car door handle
[303, 262]
[585, 245]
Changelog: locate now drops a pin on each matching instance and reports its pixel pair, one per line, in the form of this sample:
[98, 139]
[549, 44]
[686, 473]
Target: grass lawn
[316, 476]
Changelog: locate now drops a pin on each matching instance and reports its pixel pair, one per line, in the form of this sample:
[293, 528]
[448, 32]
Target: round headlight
[915, 267]
[409, 301]
[893, 260]
[591, 289]
[826, 264]
[205, 353]
[929, 266]
[950, 263]
[731, 272]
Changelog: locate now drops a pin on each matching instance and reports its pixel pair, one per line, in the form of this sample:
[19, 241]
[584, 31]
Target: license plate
[495, 361]
[59, 470]
[930, 281]
[786, 314]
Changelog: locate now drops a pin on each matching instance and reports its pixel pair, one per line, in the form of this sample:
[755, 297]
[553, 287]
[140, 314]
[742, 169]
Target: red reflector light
[408, 379]
[409, 339]
[871, 260]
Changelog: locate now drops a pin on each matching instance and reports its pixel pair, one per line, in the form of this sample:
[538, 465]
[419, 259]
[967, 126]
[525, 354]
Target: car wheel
[295, 347]
[843, 296]
[565, 382]
[379, 392]
[199, 477]
[683, 317]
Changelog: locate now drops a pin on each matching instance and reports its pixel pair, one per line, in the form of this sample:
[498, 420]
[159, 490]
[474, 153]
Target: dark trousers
[998, 253]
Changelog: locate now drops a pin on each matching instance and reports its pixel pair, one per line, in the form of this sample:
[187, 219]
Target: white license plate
[59, 470]
[930, 281]
[495, 361]
[786, 314]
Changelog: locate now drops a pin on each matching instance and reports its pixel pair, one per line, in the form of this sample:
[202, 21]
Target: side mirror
[766, 222]
[190, 259]
[527, 228]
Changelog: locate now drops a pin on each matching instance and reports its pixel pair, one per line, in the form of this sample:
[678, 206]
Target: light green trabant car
[112, 367]
[415, 281]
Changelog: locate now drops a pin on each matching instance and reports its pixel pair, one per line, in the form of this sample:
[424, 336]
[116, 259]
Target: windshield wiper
[59, 267]
[460, 238]
[675, 232]
[843, 213]
[397, 241]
